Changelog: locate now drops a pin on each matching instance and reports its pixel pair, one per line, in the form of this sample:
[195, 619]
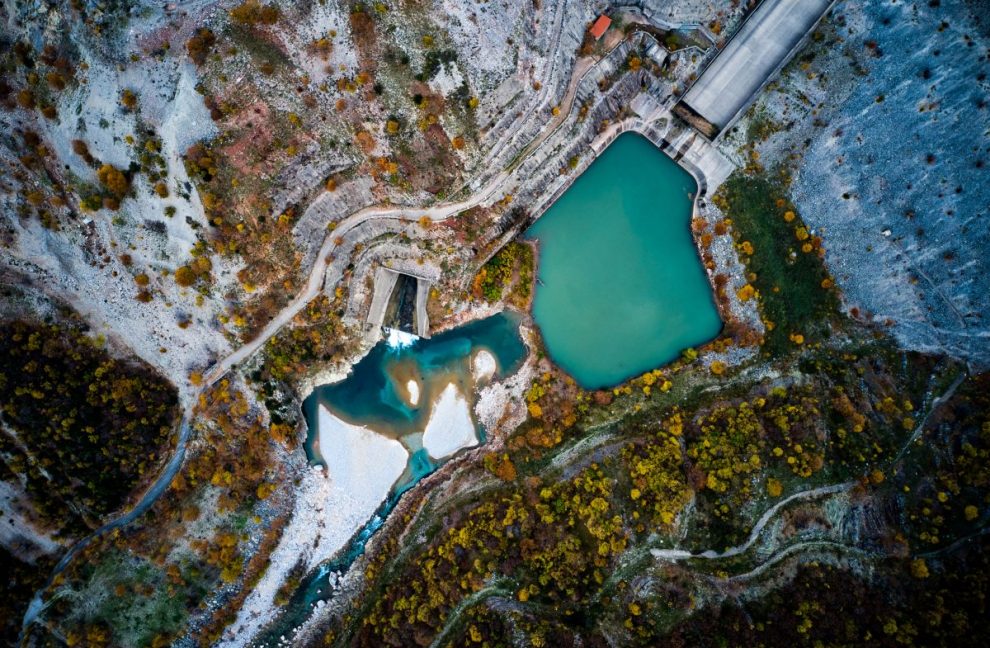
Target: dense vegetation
[554, 540]
[82, 427]
[19, 581]
[512, 270]
[317, 338]
[145, 585]
[833, 606]
[784, 261]
[550, 545]
[945, 483]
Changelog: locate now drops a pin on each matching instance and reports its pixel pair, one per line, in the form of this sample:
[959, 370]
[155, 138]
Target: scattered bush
[788, 281]
[128, 99]
[200, 45]
[252, 12]
[184, 276]
[113, 180]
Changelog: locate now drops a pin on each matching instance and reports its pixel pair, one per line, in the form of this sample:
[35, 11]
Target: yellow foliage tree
[746, 293]
[113, 179]
[185, 276]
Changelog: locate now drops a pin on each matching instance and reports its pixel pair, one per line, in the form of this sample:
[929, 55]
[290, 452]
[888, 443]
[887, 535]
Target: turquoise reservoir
[621, 287]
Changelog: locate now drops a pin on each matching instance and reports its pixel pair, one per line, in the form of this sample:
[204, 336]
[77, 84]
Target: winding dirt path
[317, 275]
[711, 554]
[315, 282]
[317, 279]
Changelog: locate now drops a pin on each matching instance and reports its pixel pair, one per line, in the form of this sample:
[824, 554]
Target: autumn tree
[184, 276]
[200, 45]
[80, 148]
[128, 99]
[113, 180]
[252, 12]
[56, 80]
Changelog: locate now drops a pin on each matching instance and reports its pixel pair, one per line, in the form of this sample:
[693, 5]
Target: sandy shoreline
[332, 504]
[412, 388]
[483, 365]
[450, 427]
[363, 466]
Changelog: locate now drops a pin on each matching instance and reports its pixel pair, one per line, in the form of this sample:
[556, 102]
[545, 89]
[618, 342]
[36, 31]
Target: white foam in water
[397, 339]
[413, 388]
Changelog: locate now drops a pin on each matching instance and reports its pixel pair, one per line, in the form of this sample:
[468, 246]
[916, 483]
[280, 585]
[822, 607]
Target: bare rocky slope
[884, 122]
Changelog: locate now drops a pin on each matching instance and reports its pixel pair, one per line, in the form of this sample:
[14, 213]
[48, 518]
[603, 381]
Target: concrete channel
[386, 280]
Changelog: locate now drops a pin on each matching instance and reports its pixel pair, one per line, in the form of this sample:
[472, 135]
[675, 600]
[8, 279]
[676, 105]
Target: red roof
[598, 29]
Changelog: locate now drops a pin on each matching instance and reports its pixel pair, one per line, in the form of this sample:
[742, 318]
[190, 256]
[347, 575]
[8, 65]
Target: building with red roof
[600, 27]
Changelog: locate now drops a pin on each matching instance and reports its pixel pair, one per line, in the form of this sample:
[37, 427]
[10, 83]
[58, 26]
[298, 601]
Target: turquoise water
[621, 287]
[370, 394]
[314, 587]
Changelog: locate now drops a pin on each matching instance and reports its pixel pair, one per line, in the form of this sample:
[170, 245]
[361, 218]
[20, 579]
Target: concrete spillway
[399, 302]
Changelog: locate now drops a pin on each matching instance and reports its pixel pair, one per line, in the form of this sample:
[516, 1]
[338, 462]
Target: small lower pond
[392, 389]
[403, 391]
[621, 288]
